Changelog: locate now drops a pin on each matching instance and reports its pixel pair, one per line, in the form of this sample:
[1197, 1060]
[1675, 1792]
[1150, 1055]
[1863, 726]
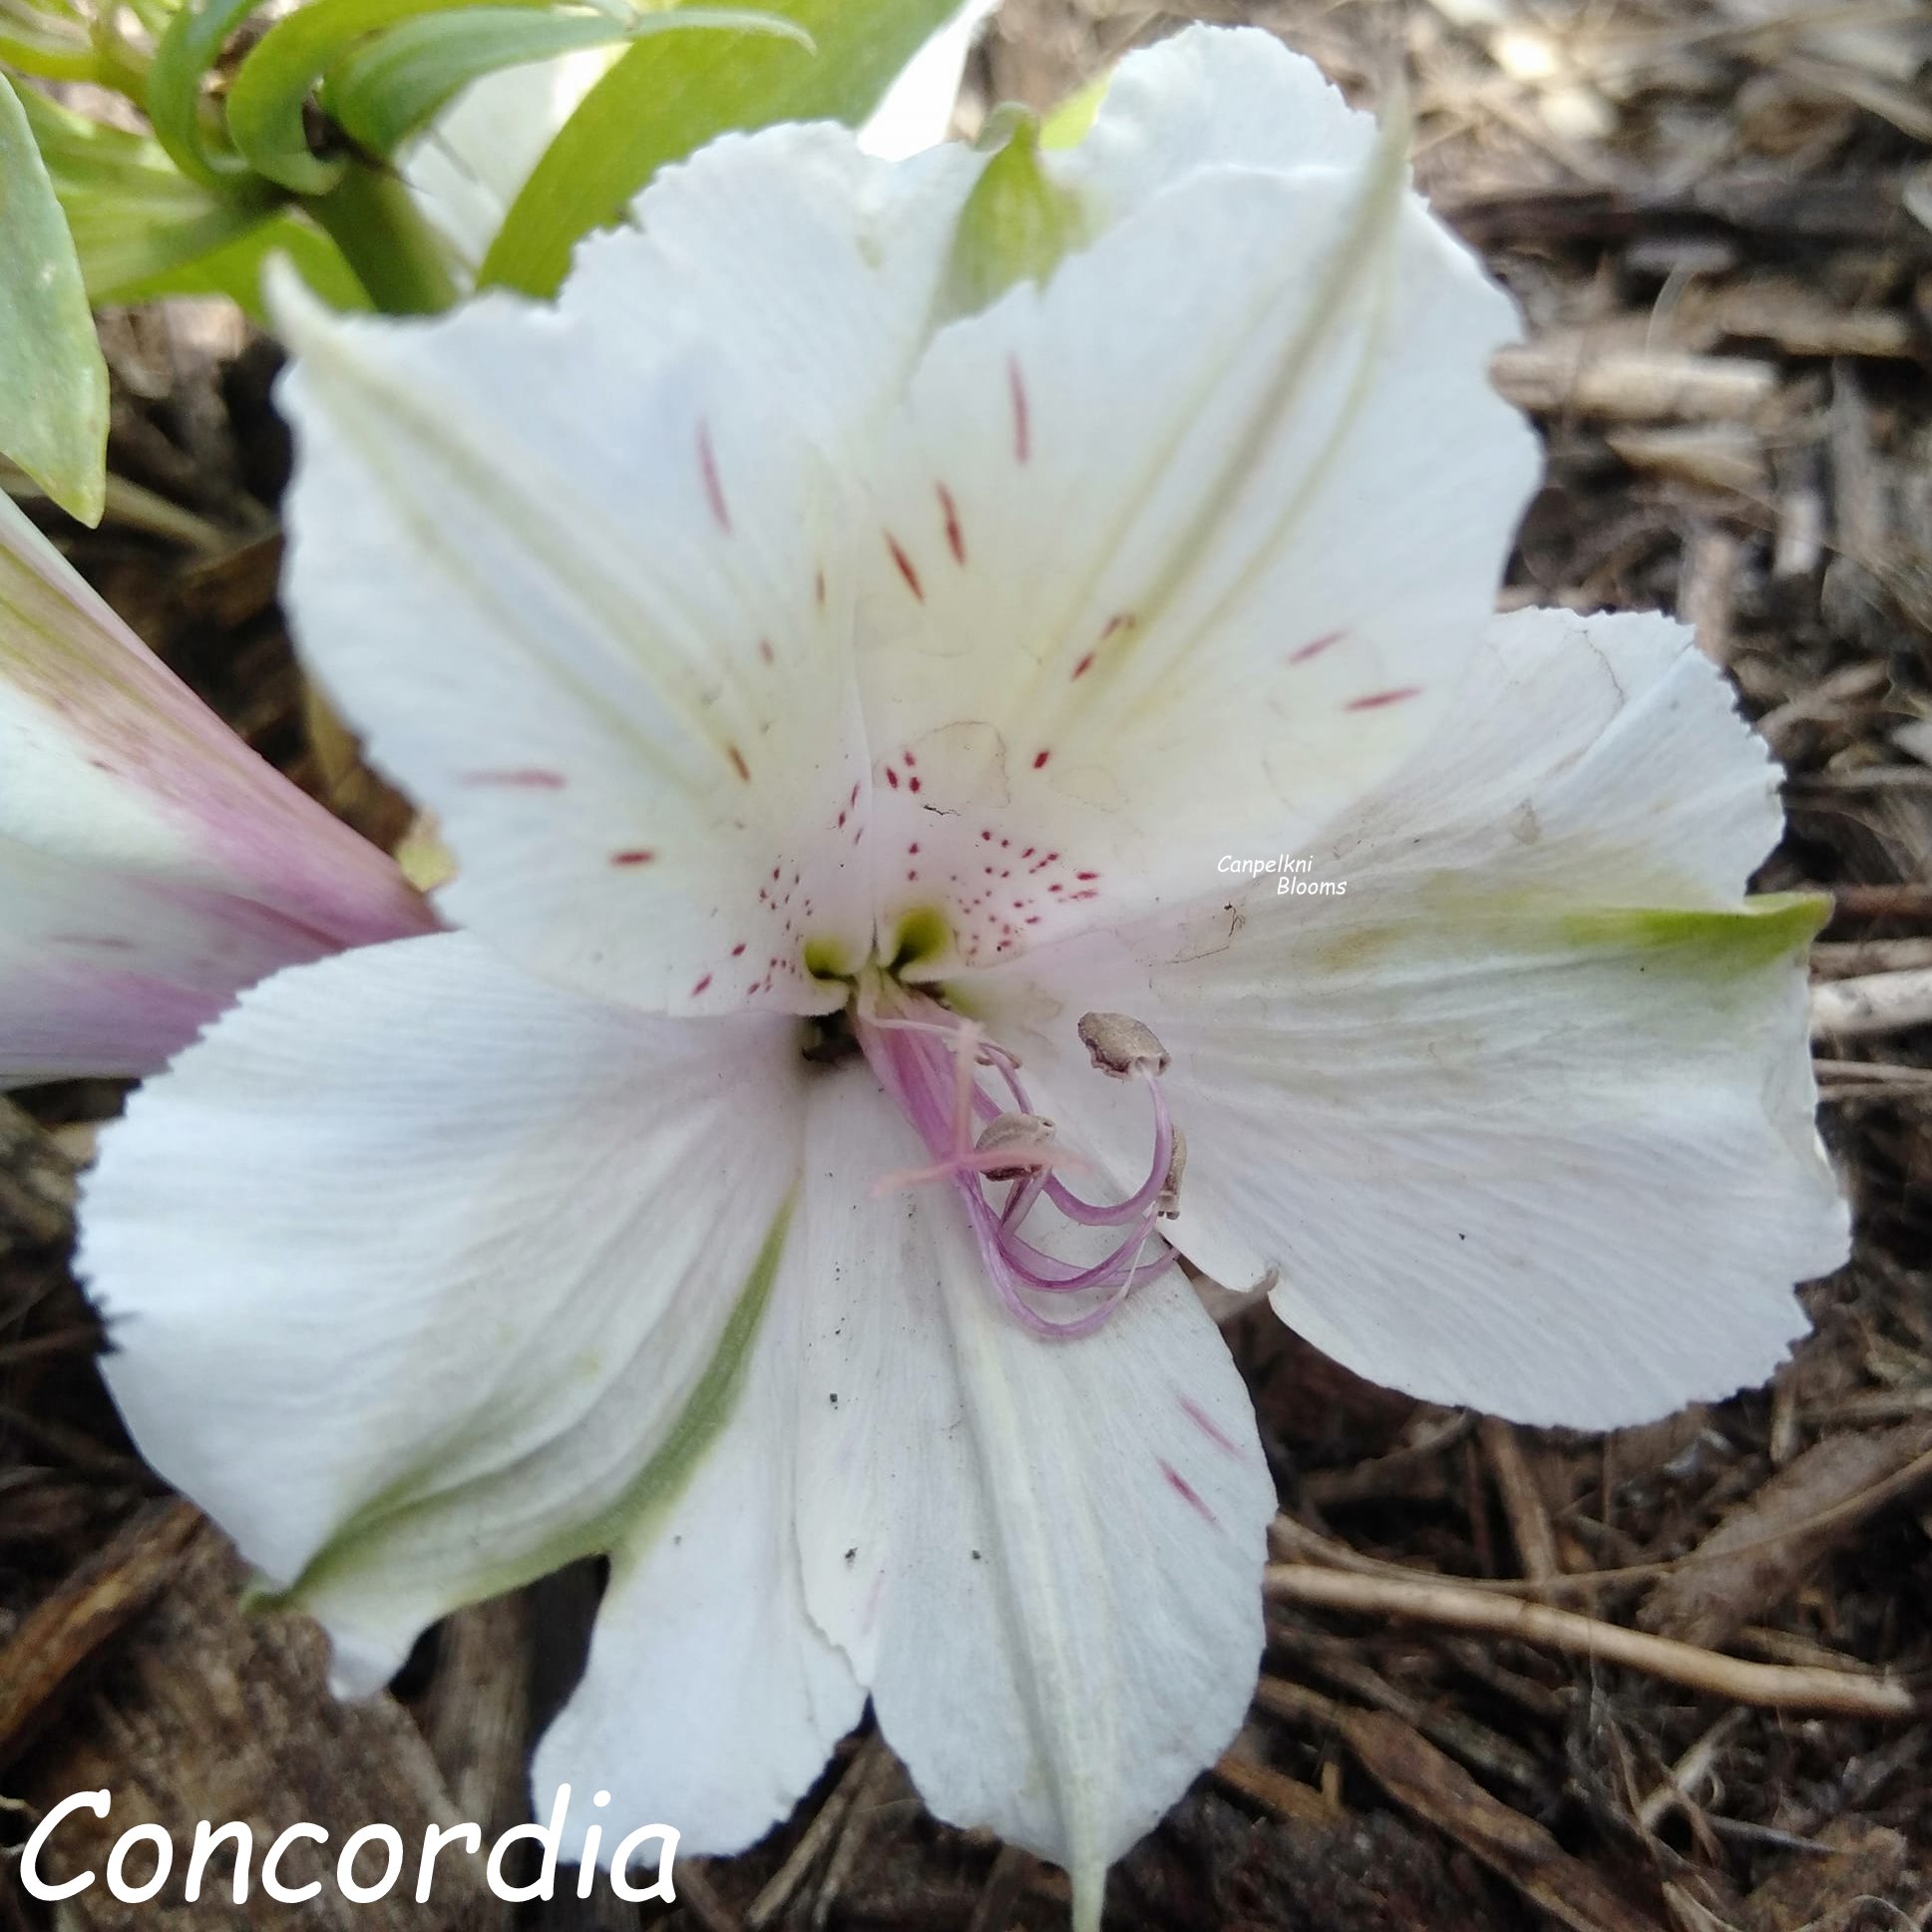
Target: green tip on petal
[1019, 223]
[1070, 122]
[1762, 930]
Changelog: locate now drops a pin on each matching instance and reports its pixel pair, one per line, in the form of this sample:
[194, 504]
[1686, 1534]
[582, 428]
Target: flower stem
[384, 238]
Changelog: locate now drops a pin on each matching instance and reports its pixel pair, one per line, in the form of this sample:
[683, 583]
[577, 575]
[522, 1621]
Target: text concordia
[383, 1843]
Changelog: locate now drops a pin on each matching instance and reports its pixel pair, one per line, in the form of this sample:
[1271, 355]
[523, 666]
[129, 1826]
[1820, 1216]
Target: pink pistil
[933, 1063]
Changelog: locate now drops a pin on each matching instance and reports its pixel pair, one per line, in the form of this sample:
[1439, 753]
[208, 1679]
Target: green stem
[393, 250]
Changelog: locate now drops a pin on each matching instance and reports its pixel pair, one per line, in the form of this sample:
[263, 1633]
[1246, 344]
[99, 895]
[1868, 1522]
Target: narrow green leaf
[266, 96]
[134, 218]
[233, 269]
[180, 118]
[53, 380]
[50, 45]
[386, 89]
[669, 94]
[383, 90]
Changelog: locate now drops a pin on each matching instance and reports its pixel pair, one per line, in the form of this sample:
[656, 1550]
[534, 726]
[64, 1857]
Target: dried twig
[1876, 1003]
[777, 1894]
[86, 1612]
[1778, 1686]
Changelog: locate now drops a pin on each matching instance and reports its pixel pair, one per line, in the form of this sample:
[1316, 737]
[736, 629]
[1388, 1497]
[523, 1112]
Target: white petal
[150, 863]
[918, 109]
[1513, 1136]
[586, 603]
[811, 265]
[1572, 743]
[1042, 1558]
[414, 1267]
[710, 1701]
[1199, 537]
[1210, 96]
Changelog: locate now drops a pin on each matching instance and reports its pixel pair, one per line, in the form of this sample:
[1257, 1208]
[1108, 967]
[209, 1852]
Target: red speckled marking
[954, 535]
[1023, 425]
[765, 651]
[738, 765]
[1208, 1427]
[1039, 764]
[700, 986]
[1316, 647]
[737, 952]
[1083, 666]
[636, 856]
[891, 778]
[1377, 699]
[527, 779]
[1188, 1493]
[906, 569]
[707, 463]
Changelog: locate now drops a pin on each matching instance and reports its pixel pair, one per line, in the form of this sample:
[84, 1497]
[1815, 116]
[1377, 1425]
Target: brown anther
[1020, 1131]
[1167, 1204]
[1121, 1046]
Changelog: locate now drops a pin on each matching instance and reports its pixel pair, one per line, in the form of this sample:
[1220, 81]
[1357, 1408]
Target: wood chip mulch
[1674, 1679]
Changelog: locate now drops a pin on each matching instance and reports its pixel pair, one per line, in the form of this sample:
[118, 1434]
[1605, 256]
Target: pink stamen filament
[931, 1065]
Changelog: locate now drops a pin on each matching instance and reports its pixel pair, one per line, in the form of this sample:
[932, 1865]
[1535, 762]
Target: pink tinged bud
[151, 865]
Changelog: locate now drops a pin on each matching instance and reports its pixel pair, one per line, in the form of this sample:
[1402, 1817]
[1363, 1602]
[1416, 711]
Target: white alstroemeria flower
[471, 164]
[829, 696]
[151, 865]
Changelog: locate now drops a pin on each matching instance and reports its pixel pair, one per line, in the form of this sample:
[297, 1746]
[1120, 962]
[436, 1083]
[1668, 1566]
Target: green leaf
[134, 218]
[180, 118]
[233, 269]
[270, 88]
[668, 96]
[1017, 223]
[51, 43]
[53, 380]
[385, 89]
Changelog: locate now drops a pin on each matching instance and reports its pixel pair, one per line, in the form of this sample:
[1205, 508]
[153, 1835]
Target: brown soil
[1720, 230]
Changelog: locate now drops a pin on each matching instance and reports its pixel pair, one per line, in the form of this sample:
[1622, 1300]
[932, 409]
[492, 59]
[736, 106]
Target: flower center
[964, 1096]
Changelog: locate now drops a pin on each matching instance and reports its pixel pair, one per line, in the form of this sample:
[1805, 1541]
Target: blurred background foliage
[149, 148]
